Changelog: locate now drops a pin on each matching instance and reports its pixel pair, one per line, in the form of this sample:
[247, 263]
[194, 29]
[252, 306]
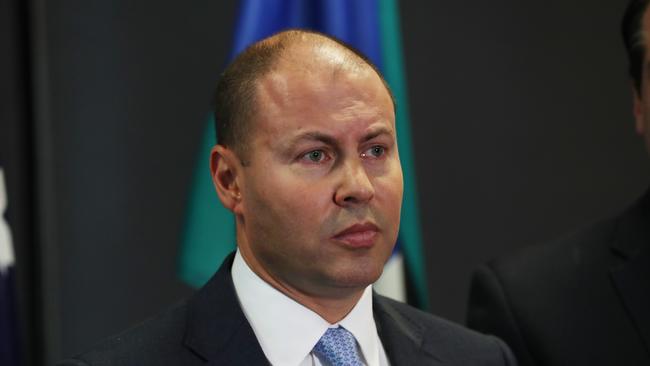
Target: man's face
[642, 97]
[321, 197]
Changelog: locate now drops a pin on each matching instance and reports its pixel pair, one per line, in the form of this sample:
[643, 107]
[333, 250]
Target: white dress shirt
[288, 331]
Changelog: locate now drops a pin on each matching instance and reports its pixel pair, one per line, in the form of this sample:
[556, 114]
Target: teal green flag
[409, 232]
[209, 228]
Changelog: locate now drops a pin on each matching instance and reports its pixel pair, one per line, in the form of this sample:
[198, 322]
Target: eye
[374, 152]
[315, 156]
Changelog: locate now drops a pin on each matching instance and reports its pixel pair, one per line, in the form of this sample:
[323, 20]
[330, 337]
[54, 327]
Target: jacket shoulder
[156, 341]
[542, 298]
[447, 341]
[580, 249]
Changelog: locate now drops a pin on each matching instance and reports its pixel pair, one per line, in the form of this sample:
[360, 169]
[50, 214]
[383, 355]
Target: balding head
[306, 52]
[308, 163]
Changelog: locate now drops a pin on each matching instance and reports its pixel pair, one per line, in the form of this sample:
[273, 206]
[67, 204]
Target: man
[308, 163]
[584, 299]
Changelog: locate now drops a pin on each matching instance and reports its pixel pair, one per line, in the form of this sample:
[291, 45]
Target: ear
[225, 169]
[639, 110]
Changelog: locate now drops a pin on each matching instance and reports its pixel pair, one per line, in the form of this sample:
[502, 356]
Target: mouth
[358, 235]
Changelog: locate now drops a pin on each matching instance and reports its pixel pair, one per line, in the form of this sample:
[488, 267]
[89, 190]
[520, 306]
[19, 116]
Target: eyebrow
[377, 132]
[329, 140]
[313, 136]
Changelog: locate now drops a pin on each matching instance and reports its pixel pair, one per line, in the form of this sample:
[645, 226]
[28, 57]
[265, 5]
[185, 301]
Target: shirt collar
[288, 331]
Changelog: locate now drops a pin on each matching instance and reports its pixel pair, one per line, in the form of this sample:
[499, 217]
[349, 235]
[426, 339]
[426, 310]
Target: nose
[355, 187]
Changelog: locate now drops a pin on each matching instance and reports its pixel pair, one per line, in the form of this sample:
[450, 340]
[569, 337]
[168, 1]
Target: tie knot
[337, 347]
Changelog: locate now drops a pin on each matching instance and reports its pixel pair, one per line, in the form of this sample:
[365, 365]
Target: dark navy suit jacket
[581, 300]
[211, 329]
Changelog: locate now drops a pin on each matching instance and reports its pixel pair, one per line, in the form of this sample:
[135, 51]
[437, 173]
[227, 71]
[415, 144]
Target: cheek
[286, 205]
[388, 191]
[391, 184]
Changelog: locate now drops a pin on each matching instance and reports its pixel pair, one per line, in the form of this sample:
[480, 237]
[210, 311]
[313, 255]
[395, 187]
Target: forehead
[293, 87]
[313, 84]
[325, 97]
[315, 88]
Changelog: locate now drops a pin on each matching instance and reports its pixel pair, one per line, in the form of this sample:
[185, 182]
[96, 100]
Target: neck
[331, 308]
[331, 304]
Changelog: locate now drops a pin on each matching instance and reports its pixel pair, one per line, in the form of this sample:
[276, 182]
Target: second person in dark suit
[583, 299]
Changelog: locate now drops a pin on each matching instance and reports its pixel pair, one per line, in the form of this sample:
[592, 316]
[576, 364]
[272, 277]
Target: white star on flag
[6, 248]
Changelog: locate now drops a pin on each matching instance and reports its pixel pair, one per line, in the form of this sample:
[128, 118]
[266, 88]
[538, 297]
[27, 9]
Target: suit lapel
[631, 276]
[217, 329]
[401, 338]
[633, 284]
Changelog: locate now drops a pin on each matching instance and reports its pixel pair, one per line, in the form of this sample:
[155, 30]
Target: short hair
[632, 29]
[235, 97]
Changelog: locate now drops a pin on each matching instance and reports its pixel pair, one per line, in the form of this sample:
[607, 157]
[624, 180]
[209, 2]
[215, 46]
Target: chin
[358, 276]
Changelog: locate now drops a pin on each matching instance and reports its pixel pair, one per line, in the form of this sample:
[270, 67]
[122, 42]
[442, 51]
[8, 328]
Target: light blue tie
[337, 347]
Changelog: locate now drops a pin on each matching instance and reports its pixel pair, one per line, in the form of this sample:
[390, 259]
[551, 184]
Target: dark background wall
[521, 115]
[128, 91]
